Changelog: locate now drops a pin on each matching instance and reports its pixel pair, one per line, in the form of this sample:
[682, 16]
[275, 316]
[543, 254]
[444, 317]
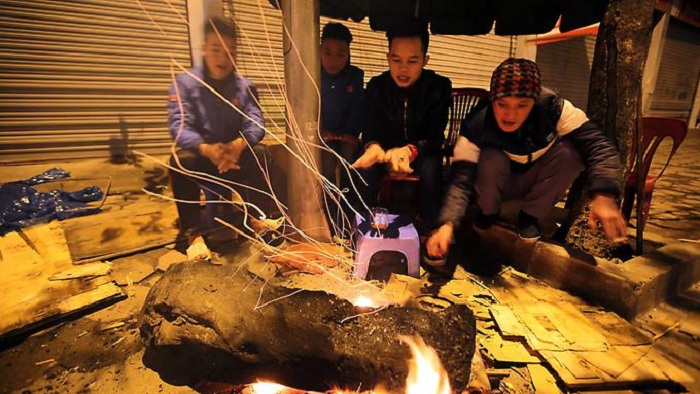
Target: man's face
[406, 60]
[216, 58]
[334, 55]
[510, 112]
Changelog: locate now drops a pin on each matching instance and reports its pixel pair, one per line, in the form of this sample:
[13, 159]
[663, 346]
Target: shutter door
[678, 72]
[566, 68]
[467, 60]
[78, 79]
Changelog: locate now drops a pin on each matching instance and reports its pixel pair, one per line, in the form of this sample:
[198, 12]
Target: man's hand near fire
[373, 154]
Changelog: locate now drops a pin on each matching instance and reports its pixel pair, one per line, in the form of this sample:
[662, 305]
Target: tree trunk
[614, 100]
[302, 81]
[205, 322]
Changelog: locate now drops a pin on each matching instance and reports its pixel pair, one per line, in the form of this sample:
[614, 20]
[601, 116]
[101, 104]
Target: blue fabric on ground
[21, 205]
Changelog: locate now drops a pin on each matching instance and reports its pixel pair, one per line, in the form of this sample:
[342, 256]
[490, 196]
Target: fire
[267, 388]
[364, 302]
[426, 375]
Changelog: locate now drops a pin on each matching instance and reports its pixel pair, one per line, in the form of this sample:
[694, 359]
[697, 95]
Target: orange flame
[426, 375]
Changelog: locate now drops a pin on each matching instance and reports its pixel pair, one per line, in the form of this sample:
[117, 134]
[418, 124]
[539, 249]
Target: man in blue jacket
[215, 120]
[342, 100]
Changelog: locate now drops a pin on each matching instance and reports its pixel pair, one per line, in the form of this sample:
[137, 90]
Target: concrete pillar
[526, 47]
[695, 109]
[302, 77]
[198, 12]
[651, 68]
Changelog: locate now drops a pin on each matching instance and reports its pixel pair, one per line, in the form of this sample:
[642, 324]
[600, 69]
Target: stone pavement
[671, 328]
[675, 205]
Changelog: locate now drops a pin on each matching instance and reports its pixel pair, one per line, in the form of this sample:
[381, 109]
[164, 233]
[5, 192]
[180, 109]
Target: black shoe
[185, 238]
[484, 222]
[528, 230]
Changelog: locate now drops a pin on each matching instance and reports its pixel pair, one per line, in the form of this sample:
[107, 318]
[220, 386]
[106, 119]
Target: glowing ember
[364, 302]
[267, 388]
[426, 374]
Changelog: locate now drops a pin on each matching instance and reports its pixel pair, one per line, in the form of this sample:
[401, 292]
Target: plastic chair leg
[646, 204]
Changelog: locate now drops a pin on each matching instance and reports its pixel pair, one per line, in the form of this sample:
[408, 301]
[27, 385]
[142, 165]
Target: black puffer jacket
[417, 115]
[551, 118]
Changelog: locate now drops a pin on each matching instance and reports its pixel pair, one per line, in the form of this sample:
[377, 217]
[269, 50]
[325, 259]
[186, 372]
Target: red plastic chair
[463, 101]
[654, 131]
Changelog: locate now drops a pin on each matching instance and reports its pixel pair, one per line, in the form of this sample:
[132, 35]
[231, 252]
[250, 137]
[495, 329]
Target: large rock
[200, 322]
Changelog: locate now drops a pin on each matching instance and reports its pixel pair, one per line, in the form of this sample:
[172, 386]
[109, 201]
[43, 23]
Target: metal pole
[639, 159]
[301, 73]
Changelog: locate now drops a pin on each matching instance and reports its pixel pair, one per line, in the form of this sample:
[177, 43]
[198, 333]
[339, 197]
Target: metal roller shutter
[678, 72]
[566, 68]
[78, 79]
[466, 60]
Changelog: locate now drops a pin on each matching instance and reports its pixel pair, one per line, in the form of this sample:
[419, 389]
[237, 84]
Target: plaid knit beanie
[515, 77]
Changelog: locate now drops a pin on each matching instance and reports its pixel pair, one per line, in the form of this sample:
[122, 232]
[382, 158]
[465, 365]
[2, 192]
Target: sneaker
[197, 249]
[484, 222]
[528, 230]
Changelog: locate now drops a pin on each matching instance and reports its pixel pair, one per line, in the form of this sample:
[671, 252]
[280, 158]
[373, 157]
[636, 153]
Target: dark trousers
[339, 213]
[188, 188]
[429, 170]
[540, 185]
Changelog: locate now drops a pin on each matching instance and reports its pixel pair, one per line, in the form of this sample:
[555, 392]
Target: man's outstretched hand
[373, 154]
[439, 242]
[604, 209]
[399, 160]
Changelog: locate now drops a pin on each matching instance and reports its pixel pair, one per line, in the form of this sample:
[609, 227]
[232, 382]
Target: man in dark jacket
[406, 110]
[342, 100]
[215, 120]
[530, 144]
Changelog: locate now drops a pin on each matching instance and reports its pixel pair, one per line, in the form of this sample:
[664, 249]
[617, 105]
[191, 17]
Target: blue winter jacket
[205, 118]
[342, 101]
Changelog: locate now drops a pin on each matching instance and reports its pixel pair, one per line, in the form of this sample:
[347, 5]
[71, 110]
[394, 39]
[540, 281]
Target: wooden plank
[579, 333]
[168, 259]
[618, 331]
[542, 379]
[49, 240]
[123, 226]
[106, 292]
[571, 369]
[541, 333]
[503, 351]
[125, 177]
[507, 322]
[30, 299]
[83, 271]
[616, 360]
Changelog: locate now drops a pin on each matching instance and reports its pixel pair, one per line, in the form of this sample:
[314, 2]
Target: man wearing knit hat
[527, 143]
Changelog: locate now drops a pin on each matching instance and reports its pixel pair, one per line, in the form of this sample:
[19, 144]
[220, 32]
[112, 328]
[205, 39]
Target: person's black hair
[224, 27]
[336, 31]
[421, 33]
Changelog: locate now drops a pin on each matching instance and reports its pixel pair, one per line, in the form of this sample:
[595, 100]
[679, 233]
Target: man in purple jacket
[215, 120]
